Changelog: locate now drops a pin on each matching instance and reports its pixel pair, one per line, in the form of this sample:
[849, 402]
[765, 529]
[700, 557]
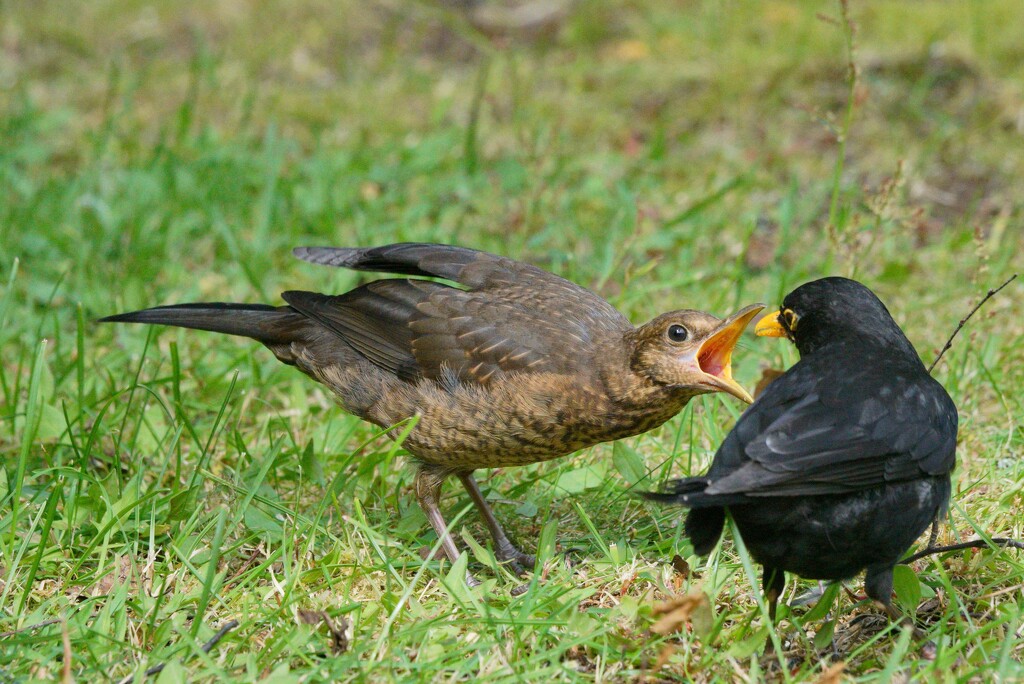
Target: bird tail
[706, 519]
[691, 492]
[679, 491]
[704, 527]
[275, 326]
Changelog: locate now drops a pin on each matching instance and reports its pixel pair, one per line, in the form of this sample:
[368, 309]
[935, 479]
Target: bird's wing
[470, 267]
[424, 329]
[531, 287]
[372, 319]
[810, 433]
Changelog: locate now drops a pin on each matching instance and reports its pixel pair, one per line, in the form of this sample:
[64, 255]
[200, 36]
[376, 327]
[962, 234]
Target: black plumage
[843, 461]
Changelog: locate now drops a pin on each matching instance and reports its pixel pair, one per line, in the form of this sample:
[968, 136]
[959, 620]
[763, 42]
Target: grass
[157, 484]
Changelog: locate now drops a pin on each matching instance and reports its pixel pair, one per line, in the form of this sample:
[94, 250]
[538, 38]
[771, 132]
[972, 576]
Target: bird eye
[678, 333]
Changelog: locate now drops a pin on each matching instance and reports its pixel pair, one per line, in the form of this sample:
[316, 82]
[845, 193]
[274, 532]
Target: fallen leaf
[681, 566]
[833, 675]
[666, 653]
[693, 608]
[768, 376]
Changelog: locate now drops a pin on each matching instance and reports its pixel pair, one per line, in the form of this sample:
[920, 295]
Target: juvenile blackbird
[514, 367]
[843, 461]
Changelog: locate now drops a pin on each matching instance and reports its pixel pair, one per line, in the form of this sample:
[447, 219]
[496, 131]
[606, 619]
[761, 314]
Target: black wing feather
[808, 435]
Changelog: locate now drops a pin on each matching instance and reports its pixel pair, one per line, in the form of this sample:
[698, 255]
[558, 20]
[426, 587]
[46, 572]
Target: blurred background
[694, 136]
[666, 154]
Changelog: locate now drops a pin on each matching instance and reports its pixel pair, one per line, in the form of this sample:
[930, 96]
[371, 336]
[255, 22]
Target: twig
[205, 648]
[963, 321]
[29, 628]
[931, 548]
[1002, 542]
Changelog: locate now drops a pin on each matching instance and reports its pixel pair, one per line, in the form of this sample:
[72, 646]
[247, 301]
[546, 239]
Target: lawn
[158, 484]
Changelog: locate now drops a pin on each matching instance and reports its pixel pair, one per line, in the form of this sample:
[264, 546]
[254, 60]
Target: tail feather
[706, 519]
[271, 325]
[704, 528]
[690, 492]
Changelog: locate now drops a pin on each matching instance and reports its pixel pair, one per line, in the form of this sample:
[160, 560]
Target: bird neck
[633, 392]
[885, 350]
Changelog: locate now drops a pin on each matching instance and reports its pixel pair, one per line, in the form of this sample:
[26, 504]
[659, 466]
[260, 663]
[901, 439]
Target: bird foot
[809, 597]
[518, 561]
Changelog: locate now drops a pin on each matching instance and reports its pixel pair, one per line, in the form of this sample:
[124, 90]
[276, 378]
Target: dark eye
[678, 333]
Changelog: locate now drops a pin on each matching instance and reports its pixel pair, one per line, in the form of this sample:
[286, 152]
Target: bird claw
[517, 561]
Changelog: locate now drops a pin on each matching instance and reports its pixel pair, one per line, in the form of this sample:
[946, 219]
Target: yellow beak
[769, 326]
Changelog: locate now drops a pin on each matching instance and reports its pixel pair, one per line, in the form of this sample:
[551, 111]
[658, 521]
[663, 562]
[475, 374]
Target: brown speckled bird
[516, 366]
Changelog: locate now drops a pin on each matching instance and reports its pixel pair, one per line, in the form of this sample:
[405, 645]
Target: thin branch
[29, 628]
[1002, 542]
[963, 321]
[205, 648]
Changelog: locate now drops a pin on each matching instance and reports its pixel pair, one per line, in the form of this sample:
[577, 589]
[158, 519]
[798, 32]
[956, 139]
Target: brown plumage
[516, 366]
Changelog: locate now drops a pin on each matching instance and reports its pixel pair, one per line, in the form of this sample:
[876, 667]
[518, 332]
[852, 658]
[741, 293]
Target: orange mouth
[715, 355]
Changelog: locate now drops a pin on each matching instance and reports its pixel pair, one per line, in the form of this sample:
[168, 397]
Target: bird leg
[774, 581]
[428, 486]
[933, 536]
[878, 586]
[504, 549]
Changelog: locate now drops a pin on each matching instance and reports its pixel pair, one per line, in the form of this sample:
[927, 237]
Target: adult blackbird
[843, 461]
[514, 367]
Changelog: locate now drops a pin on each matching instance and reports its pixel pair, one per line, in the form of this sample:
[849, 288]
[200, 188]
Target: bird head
[692, 350]
[831, 310]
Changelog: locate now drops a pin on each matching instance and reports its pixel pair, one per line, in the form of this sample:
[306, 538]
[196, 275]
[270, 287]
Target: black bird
[843, 461]
[514, 367]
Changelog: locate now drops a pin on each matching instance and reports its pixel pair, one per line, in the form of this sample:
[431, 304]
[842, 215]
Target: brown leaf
[693, 608]
[768, 376]
[666, 652]
[833, 675]
[680, 565]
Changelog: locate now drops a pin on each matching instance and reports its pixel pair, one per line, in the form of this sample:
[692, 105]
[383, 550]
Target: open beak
[715, 354]
[770, 326]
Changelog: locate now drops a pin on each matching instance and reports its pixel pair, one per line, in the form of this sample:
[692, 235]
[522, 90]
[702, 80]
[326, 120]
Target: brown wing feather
[477, 340]
[372, 319]
[470, 267]
[512, 280]
[514, 318]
